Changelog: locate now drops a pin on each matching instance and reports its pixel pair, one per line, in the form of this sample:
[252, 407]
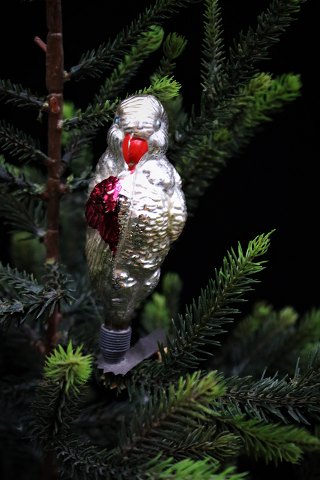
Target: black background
[272, 184]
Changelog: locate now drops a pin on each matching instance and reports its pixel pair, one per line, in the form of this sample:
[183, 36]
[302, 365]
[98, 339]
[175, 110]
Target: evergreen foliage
[193, 410]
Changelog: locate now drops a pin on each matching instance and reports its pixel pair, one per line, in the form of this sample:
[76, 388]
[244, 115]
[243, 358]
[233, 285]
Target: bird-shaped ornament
[135, 210]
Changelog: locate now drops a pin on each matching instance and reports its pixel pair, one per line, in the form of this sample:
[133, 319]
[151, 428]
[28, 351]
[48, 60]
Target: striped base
[114, 343]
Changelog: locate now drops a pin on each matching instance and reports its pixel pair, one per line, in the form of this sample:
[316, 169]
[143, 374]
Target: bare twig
[40, 44]
[54, 187]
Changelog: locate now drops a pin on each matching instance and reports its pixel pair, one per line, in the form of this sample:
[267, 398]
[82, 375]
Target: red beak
[133, 149]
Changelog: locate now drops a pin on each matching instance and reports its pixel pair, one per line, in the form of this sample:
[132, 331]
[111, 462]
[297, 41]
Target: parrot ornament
[134, 211]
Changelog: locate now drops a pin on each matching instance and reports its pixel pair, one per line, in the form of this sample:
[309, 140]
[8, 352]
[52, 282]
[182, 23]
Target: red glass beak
[133, 148]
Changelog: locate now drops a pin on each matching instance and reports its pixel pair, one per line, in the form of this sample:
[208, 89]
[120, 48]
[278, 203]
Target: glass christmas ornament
[135, 210]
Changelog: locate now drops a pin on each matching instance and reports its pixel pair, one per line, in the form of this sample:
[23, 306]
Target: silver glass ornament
[135, 210]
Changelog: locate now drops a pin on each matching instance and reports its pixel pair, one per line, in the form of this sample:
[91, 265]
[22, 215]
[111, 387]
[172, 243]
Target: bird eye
[117, 120]
[157, 124]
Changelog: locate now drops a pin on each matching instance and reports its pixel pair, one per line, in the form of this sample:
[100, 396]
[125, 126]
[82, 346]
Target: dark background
[272, 184]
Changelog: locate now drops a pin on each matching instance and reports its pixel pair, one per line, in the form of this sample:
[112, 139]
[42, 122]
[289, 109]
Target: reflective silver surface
[152, 211]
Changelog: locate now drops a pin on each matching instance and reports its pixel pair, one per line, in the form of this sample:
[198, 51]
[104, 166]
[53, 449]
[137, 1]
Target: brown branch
[53, 191]
[54, 84]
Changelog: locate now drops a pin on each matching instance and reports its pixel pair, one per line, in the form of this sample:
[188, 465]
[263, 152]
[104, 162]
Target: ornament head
[140, 125]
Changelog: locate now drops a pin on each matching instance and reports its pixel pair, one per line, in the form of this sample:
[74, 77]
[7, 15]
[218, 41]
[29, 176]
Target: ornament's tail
[120, 288]
[115, 334]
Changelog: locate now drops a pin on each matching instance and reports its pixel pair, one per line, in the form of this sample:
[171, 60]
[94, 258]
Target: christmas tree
[233, 391]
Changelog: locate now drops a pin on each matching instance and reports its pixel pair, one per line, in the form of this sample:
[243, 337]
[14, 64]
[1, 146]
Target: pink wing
[101, 210]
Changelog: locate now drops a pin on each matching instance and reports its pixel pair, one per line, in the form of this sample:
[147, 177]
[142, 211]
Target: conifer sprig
[201, 159]
[147, 43]
[194, 332]
[252, 47]
[182, 411]
[12, 179]
[277, 398]
[29, 300]
[20, 96]
[22, 216]
[189, 469]
[81, 459]
[164, 89]
[98, 115]
[68, 367]
[101, 110]
[20, 145]
[281, 336]
[173, 46]
[213, 54]
[95, 62]
[75, 184]
[66, 371]
[257, 101]
[269, 441]
[94, 117]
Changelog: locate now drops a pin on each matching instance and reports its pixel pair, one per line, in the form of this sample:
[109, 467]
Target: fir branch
[213, 54]
[84, 315]
[68, 367]
[269, 398]
[257, 101]
[94, 63]
[257, 338]
[172, 421]
[202, 158]
[80, 459]
[19, 281]
[172, 288]
[20, 145]
[252, 47]
[78, 147]
[211, 141]
[12, 180]
[103, 420]
[30, 301]
[270, 441]
[19, 96]
[75, 184]
[305, 332]
[193, 334]
[147, 43]
[164, 306]
[198, 163]
[56, 404]
[268, 335]
[189, 469]
[173, 46]
[94, 117]
[175, 414]
[23, 217]
[204, 440]
[51, 411]
[204, 320]
[101, 110]
[164, 89]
